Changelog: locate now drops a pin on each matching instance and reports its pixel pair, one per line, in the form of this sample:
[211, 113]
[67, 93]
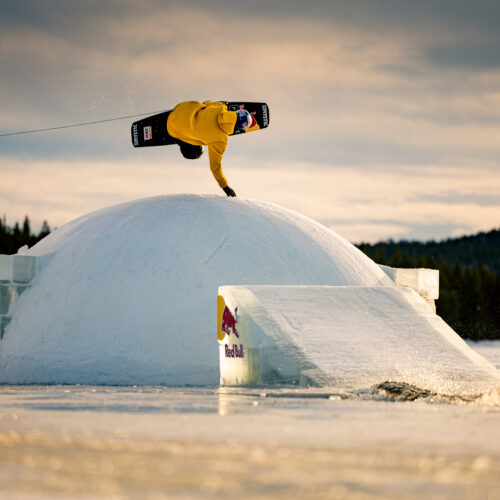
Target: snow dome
[128, 294]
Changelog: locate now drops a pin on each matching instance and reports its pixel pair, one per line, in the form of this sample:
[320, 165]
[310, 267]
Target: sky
[385, 114]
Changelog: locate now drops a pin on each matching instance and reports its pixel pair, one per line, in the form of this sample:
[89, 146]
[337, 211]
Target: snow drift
[128, 294]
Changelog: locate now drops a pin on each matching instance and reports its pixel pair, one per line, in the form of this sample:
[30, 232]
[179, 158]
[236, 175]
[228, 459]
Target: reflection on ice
[159, 442]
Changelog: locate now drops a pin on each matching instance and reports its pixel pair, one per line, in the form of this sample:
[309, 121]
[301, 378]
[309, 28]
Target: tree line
[469, 277]
[15, 237]
[469, 272]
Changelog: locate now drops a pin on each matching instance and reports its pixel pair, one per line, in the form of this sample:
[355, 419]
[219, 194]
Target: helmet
[190, 151]
[244, 120]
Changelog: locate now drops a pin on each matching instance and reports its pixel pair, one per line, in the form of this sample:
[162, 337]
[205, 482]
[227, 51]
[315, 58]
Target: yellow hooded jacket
[208, 124]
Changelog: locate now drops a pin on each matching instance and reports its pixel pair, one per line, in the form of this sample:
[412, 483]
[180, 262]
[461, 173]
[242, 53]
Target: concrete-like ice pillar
[16, 272]
[5, 268]
[23, 268]
[424, 281]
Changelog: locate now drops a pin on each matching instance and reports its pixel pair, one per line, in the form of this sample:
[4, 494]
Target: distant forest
[469, 278]
[469, 272]
[15, 237]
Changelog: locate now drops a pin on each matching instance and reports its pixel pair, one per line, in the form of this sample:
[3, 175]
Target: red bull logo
[229, 321]
[226, 325]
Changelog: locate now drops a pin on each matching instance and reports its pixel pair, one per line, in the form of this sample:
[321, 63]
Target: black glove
[229, 191]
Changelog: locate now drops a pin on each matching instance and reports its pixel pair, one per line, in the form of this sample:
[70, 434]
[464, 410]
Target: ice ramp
[342, 336]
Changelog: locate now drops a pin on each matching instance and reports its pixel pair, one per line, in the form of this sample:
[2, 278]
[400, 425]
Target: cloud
[331, 93]
[400, 202]
[367, 99]
[472, 57]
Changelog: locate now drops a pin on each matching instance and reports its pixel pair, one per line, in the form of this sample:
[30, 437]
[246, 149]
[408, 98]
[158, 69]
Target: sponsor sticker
[135, 134]
[148, 133]
[226, 320]
[265, 116]
[229, 322]
[234, 351]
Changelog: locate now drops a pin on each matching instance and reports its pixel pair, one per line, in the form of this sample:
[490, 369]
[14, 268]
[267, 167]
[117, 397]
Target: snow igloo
[128, 294]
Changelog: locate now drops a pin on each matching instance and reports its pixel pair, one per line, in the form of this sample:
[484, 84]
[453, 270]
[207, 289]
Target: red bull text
[234, 351]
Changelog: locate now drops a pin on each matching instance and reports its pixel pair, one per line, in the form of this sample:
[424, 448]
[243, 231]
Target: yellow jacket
[208, 124]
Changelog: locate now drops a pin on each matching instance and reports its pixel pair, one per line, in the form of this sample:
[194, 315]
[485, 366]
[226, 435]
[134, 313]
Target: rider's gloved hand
[229, 191]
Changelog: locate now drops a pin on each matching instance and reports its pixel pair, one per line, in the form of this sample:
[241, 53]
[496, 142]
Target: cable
[78, 124]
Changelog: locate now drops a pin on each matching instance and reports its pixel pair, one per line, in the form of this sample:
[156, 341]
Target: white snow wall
[127, 294]
[348, 337]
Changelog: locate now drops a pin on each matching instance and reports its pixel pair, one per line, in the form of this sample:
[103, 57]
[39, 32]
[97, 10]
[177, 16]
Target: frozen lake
[158, 442]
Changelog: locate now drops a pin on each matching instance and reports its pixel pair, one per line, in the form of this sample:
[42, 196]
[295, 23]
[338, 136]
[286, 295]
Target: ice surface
[127, 294]
[201, 443]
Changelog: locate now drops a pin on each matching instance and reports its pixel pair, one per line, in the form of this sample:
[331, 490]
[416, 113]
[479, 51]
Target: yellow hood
[227, 121]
